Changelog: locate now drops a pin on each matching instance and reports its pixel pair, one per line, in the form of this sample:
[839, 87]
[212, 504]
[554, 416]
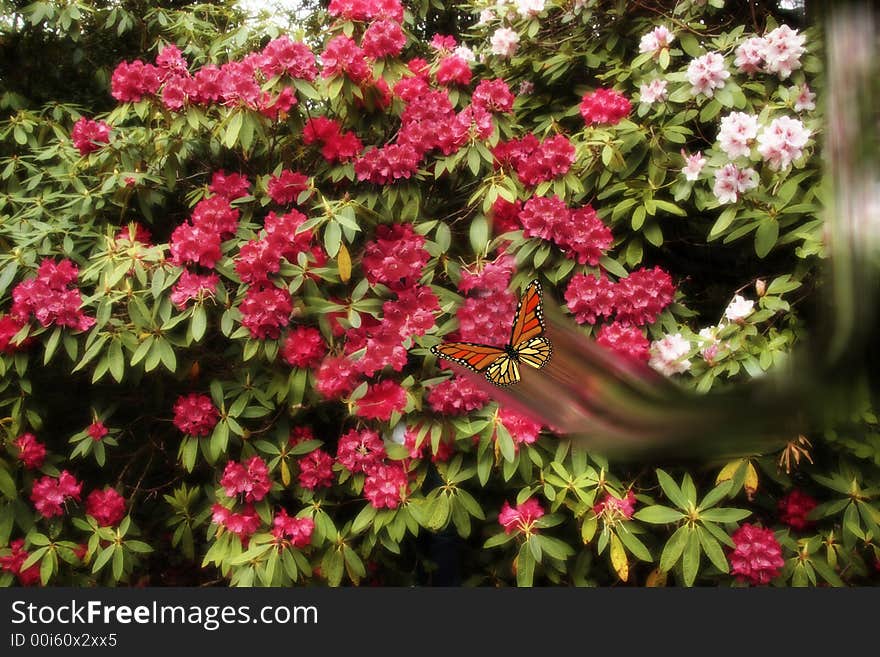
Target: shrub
[219, 299]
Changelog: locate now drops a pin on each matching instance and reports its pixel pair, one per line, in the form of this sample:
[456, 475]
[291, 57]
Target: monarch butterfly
[527, 344]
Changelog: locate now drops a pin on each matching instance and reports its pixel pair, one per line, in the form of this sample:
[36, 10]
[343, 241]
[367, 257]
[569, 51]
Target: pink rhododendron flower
[456, 396]
[529, 8]
[396, 257]
[50, 298]
[265, 311]
[9, 328]
[493, 95]
[794, 509]
[229, 185]
[707, 73]
[385, 487]
[193, 287]
[304, 346]
[757, 557]
[287, 186]
[383, 38]
[453, 70]
[643, 295]
[243, 524]
[297, 530]
[106, 506]
[316, 470]
[522, 517]
[731, 181]
[361, 451]
[590, 297]
[294, 58]
[342, 56]
[257, 260]
[739, 308]
[604, 106]
[750, 55]
[626, 340]
[88, 136]
[195, 245]
[337, 146]
[132, 81]
[13, 562]
[49, 493]
[31, 452]
[616, 506]
[250, 478]
[337, 376]
[521, 428]
[96, 430]
[195, 414]
[805, 99]
[381, 400]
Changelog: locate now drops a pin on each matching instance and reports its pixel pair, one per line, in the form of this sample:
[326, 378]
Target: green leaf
[671, 490]
[525, 566]
[766, 236]
[479, 234]
[7, 484]
[230, 138]
[332, 238]
[659, 515]
[725, 515]
[690, 44]
[673, 548]
[199, 322]
[713, 550]
[634, 545]
[716, 494]
[497, 539]
[691, 558]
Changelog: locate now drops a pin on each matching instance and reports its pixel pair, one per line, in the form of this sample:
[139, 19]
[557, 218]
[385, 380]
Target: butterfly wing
[503, 372]
[535, 352]
[476, 357]
[528, 322]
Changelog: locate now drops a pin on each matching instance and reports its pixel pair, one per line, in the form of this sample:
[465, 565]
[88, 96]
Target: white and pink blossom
[731, 181]
[707, 73]
[656, 40]
[739, 308]
[782, 142]
[805, 100]
[529, 8]
[504, 42]
[654, 91]
[782, 54]
[736, 134]
[749, 55]
[693, 164]
[669, 355]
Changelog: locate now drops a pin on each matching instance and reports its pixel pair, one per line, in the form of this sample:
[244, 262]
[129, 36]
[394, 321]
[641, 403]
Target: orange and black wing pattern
[477, 357]
[528, 321]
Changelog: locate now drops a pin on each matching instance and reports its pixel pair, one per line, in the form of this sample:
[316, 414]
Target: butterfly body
[527, 344]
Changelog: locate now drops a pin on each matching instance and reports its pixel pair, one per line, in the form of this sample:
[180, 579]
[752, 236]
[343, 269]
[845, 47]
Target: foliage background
[56, 64]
